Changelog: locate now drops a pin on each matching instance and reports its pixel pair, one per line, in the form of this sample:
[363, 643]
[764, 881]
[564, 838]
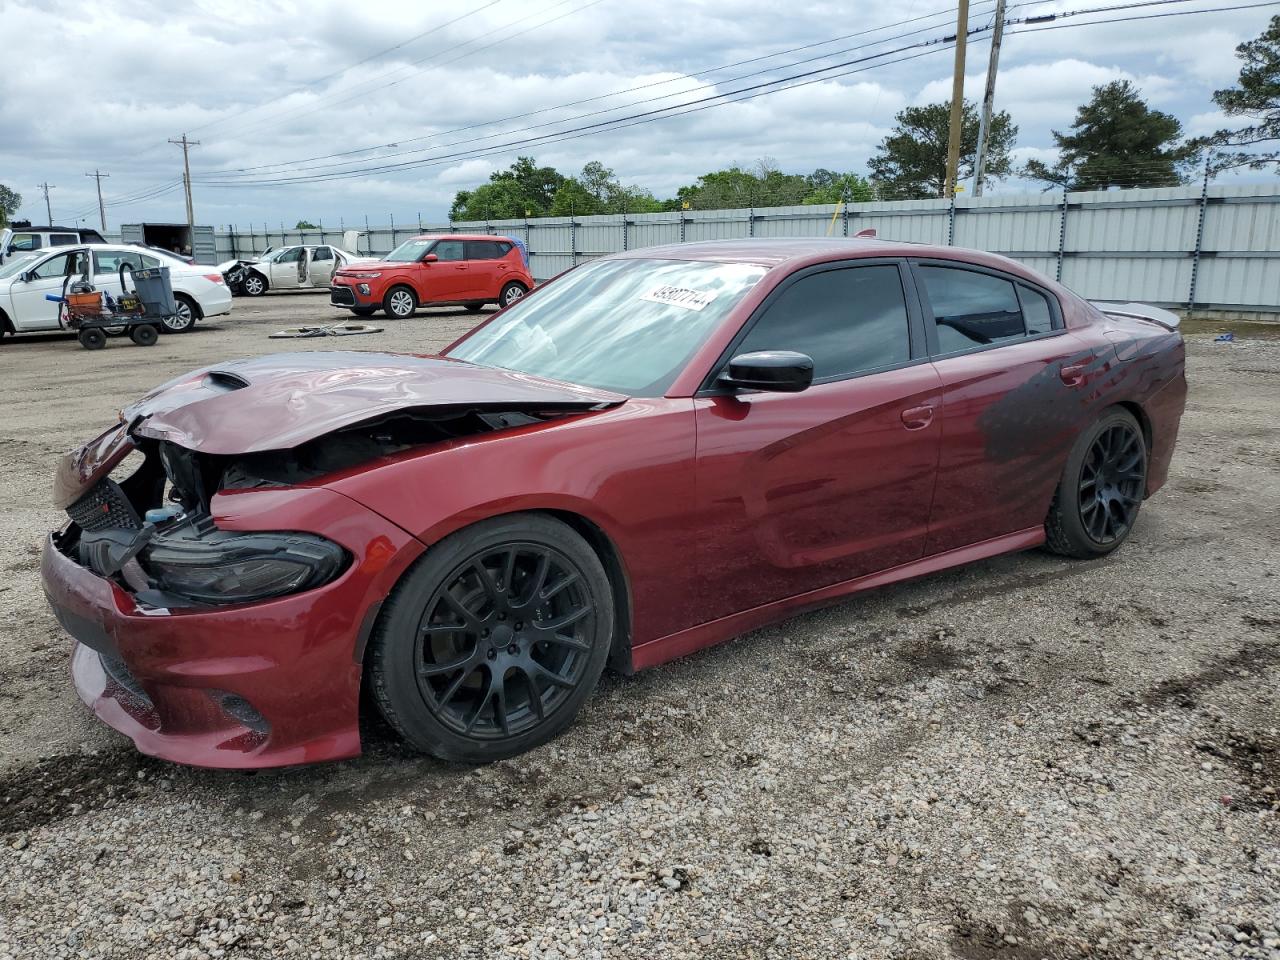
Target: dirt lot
[1025, 758]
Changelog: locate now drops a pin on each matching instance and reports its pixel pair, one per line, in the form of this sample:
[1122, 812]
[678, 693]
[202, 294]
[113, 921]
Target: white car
[26, 280]
[300, 267]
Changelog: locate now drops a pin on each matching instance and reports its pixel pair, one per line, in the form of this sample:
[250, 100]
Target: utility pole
[102, 207]
[957, 100]
[186, 182]
[988, 99]
[46, 187]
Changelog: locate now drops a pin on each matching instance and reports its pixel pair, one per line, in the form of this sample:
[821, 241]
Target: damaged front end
[220, 592]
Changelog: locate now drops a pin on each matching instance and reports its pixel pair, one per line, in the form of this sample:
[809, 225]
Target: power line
[604, 96]
[678, 109]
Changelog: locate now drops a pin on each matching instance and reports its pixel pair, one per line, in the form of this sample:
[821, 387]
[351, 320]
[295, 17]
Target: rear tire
[185, 318]
[92, 339]
[493, 640]
[400, 303]
[1101, 490]
[512, 292]
[144, 335]
[474, 307]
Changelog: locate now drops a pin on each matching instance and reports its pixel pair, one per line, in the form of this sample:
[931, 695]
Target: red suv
[453, 269]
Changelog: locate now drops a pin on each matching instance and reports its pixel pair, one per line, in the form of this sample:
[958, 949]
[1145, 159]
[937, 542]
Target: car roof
[460, 236]
[795, 252]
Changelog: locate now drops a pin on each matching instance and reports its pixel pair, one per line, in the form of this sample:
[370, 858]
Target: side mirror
[779, 371]
[25, 276]
[430, 258]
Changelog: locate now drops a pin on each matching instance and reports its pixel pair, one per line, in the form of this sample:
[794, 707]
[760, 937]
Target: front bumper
[348, 295]
[255, 685]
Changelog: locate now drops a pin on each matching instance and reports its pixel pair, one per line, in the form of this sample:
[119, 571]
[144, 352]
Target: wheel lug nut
[513, 649]
[493, 654]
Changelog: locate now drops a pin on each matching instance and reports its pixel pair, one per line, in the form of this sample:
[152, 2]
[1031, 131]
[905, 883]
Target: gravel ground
[1026, 758]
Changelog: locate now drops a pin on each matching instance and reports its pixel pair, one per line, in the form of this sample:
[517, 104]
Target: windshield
[271, 255]
[17, 263]
[409, 251]
[624, 325]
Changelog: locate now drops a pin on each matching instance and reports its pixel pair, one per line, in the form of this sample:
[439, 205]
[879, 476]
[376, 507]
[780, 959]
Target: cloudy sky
[300, 90]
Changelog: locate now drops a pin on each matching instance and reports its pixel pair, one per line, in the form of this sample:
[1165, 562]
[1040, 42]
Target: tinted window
[322, 253]
[25, 241]
[971, 309]
[486, 250]
[63, 239]
[1035, 310]
[448, 250]
[846, 320]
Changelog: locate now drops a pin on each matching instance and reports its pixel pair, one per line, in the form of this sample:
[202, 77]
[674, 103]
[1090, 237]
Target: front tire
[492, 642]
[1101, 490]
[185, 318]
[144, 335]
[254, 285]
[400, 303]
[363, 311]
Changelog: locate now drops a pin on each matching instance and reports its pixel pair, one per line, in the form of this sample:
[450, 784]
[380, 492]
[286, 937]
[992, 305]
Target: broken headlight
[199, 562]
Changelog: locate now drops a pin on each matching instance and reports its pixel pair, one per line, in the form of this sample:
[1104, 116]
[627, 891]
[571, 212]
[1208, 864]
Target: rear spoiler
[1139, 311]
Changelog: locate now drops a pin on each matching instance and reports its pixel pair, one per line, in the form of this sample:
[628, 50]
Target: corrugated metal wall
[1173, 246]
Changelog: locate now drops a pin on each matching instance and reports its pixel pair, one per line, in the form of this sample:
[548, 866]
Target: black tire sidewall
[144, 335]
[92, 339]
[1067, 504]
[363, 311]
[392, 648]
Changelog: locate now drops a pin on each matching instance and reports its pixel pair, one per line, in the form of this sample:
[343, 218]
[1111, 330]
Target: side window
[149, 261]
[972, 309]
[51, 268]
[25, 241]
[63, 239]
[482, 250]
[846, 320]
[321, 253]
[1035, 310]
[448, 250]
[109, 261]
[290, 256]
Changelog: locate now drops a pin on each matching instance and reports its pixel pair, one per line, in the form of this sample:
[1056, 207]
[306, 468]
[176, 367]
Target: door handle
[917, 418]
[1072, 374]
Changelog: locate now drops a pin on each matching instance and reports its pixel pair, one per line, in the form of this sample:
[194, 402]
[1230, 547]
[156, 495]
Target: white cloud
[283, 83]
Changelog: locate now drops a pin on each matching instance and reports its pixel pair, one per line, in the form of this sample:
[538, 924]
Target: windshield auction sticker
[680, 297]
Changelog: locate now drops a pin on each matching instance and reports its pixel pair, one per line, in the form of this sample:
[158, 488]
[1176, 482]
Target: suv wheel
[399, 303]
[511, 293]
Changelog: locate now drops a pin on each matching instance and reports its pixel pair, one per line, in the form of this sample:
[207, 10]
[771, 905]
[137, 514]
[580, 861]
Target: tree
[829, 187]
[912, 161]
[522, 190]
[10, 203]
[1257, 97]
[305, 225]
[736, 187]
[574, 199]
[1117, 141]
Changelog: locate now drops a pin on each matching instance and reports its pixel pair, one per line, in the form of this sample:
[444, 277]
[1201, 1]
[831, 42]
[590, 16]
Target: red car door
[484, 264]
[797, 491]
[1015, 394]
[447, 278]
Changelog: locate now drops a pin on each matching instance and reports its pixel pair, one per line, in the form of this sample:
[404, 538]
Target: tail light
[215, 277]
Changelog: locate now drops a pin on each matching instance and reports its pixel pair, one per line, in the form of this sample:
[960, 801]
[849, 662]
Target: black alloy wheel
[505, 640]
[493, 640]
[1102, 486]
[1111, 482]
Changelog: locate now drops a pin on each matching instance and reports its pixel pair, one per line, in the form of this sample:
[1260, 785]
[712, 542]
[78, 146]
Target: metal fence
[1209, 247]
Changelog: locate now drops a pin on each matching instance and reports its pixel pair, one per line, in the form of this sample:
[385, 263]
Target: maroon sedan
[653, 453]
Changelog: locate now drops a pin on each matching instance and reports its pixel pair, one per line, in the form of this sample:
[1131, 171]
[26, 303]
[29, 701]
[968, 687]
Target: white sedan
[27, 279]
[303, 267]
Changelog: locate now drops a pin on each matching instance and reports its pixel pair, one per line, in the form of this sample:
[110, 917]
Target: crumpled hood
[279, 401]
